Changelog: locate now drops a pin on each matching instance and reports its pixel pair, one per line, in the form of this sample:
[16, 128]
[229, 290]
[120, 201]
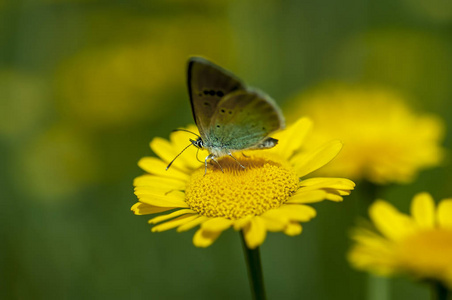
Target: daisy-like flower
[419, 245]
[385, 141]
[269, 195]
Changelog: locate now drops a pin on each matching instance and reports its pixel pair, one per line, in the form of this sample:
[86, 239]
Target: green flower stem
[440, 292]
[378, 288]
[253, 262]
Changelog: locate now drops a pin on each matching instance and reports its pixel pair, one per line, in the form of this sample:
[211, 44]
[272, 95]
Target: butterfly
[229, 115]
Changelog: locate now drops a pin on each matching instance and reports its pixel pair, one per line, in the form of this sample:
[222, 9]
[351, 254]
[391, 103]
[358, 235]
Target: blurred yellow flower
[407, 59]
[24, 102]
[419, 245]
[267, 196]
[57, 163]
[384, 140]
[434, 10]
[102, 86]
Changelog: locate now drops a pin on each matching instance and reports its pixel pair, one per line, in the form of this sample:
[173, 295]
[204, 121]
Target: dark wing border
[201, 60]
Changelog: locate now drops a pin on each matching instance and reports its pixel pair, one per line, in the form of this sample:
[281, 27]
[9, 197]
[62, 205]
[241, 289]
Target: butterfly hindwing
[243, 119]
[207, 85]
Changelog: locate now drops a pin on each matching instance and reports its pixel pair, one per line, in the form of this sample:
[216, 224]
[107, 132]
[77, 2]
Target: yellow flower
[57, 164]
[419, 245]
[140, 64]
[384, 140]
[23, 95]
[266, 196]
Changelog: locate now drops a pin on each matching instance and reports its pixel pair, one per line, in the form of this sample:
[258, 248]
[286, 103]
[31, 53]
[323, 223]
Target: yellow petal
[167, 153]
[162, 202]
[274, 224]
[374, 259]
[293, 229]
[166, 183]
[307, 196]
[151, 197]
[276, 215]
[177, 213]
[308, 162]
[156, 190]
[423, 210]
[377, 244]
[334, 197]
[174, 223]
[156, 166]
[328, 183]
[389, 221]
[292, 138]
[191, 224]
[334, 193]
[343, 193]
[203, 238]
[365, 236]
[335, 187]
[216, 224]
[255, 233]
[150, 191]
[445, 213]
[301, 213]
[241, 223]
[146, 209]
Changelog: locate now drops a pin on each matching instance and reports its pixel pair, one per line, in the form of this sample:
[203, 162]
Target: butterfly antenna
[180, 129]
[169, 165]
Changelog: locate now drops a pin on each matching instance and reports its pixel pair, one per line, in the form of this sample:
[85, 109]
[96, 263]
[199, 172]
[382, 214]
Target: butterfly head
[198, 143]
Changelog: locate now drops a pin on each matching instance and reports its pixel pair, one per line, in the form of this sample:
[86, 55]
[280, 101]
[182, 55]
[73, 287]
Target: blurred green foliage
[85, 85]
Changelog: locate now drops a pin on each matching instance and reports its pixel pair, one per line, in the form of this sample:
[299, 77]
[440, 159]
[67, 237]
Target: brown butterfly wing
[207, 85]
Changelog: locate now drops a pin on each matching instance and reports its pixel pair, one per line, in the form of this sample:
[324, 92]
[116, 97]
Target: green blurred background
[85, 85]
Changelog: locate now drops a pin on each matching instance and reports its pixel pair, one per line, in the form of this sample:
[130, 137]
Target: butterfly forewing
[207, 85]
[243, 119]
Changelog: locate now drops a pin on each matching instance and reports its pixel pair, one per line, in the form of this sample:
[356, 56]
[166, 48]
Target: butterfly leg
[205, 163]
[230, 154]
[212, 157]
[244, 155]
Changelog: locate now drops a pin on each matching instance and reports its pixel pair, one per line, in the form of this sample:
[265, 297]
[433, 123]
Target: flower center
[428, 252]
[265, 183]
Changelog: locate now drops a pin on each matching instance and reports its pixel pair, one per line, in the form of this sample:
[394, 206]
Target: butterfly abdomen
[266, 144]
